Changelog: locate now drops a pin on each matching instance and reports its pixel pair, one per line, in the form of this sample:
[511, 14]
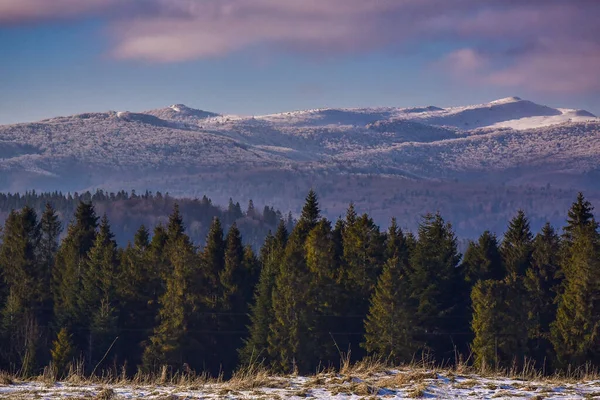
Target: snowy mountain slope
[510, 112]
[175, 148]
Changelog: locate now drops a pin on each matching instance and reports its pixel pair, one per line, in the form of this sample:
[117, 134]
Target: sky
[252, 57]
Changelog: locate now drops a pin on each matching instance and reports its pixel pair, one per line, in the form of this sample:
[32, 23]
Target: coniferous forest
[312, 291]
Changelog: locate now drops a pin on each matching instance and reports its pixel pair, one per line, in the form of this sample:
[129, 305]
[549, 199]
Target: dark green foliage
[304, 300]
[97, 299]
[261, 316]
[575, 331]
[26, 280]
[438, 287]
[541, 283]
[310, 212]
[288, 333]
[62, 352]
[517, 245]
[71, 261]
[237, 281]
[173, 342]
[499, 322]
[390, 325]
[482, 259]
[579, 216]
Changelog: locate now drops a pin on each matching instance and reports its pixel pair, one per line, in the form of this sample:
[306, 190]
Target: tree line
[128, 210]
[310, 294]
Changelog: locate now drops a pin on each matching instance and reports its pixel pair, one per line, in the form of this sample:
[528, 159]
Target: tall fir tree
[390, 325]
[255, 348]
[576, 328]
[482, 260]
[25, 278]
[233, 303]
[541, 283]
[290, 343]
[70, 264]
[499, 323]
[174, 341]
[516, 246]
[438, 288]
[97, 299]
[324, 291]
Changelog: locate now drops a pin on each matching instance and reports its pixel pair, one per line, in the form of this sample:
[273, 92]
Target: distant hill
[393, 160]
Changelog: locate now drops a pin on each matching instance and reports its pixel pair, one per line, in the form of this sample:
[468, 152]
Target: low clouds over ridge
[542, 45]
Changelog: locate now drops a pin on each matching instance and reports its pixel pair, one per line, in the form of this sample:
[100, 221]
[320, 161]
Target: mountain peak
[179, 107]
[512, 99]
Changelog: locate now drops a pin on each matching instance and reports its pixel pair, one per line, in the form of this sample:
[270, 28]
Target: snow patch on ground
[392, 384]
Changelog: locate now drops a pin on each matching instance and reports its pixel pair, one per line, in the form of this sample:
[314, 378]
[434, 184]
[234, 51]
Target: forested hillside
[310, 292]
[127, 211]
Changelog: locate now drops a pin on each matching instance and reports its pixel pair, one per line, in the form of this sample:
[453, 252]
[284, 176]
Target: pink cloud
[18, 11]
[544, 45]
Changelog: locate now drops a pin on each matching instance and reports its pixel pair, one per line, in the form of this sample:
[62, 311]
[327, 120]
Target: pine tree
[482, 260]
[50, 228]
[173, 342]
[233, 302]
[25, 278]
[141, 240]
[499, 313]
[62, 353]
[363, 248]
[213, 259]
[97, 299]
[574, 332]
[175, 228]
[261, 313]
[517, 245]
[71, 261]
[390, 324]
[541, 284]
[310, 215]
[438, 287]
[323, 292]
[288, 335]
[212, 292]
[579, 216]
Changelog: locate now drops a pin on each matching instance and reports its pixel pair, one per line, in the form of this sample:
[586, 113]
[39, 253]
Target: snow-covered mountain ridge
[194, 152]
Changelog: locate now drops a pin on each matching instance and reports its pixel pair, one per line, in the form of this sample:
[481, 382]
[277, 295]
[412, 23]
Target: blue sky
[263, 56]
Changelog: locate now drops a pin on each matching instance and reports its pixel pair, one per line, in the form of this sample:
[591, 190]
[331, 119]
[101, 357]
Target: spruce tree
[516, 246]
[579, 216]
[575, 331]
[70, 264]
[311, 213]
[62, 353]
[482, 260]
[438, 288]
[390, 324]
[97, 299]
[25, 277]
[499, 322]
[288, 335]
[50, 228]
[541, 284]
[212, 293]
[261, 313]
[173, 341]
[233, 302]
[323, 290]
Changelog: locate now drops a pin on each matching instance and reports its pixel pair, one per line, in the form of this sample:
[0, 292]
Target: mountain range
[476, 164]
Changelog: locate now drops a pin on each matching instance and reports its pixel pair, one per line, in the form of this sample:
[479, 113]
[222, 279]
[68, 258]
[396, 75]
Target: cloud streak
[542, 45]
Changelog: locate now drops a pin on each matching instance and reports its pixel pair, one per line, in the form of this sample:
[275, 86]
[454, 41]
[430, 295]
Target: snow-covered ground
[393, 384]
